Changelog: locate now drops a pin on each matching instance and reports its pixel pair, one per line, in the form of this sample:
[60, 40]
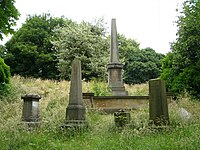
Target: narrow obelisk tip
[114, 52]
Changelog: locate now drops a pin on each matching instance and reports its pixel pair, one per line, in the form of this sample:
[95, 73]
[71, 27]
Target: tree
[86, 42]
[184, 62]
[142, 65]
[126, 45]
[30, 52]
[9, 14]
[167, 73]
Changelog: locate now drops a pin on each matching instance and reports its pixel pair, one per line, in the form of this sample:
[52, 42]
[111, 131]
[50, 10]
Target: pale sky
[149, 22]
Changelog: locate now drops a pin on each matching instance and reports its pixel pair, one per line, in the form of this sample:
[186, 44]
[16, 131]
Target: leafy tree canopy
[181, 66]
[45, 46]
[126, 45]
[29, 52]
[86, 42]
[142, 65]
[9, 14]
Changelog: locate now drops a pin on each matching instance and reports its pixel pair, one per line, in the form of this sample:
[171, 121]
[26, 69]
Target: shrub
[4, 77]
[4, 72]
[100, 88]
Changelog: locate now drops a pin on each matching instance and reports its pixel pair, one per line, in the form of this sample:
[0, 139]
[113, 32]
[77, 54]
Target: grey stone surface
[30, 111]
[114, 55]
[184, 114]
[75, 97]
[76, 112]
[158, 106]
[31, 96]
[115, 67]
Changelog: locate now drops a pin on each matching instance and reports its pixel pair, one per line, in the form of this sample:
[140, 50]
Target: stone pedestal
[75, 116]
[115, 81]
[158, 106]
[30, 113]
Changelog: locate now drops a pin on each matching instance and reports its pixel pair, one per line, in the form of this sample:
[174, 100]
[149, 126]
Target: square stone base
[119, 93]
[75, 125]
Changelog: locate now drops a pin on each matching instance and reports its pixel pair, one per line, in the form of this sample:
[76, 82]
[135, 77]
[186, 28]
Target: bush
[4, 72]
[4, 77]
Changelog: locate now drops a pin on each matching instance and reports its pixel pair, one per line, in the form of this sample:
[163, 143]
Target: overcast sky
[149, 22]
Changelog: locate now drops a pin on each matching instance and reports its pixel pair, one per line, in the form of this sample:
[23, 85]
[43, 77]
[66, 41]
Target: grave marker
[158, 106]
[76, 112]
[30, 113]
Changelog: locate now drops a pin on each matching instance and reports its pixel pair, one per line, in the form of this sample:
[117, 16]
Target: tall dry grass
[102, 134]
[138, 89]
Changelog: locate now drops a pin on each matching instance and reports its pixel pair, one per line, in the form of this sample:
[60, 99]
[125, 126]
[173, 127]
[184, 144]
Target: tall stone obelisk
[76, 112]
[115, 67]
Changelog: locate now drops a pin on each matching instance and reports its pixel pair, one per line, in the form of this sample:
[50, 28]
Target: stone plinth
[30, 111]
[158, 106]
[115, 81]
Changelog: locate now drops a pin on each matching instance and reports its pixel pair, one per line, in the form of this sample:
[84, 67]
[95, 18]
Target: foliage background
[86, 42]
[5, 87]
[29, 52]
[9, 14]
[45, 46]
[181, 66]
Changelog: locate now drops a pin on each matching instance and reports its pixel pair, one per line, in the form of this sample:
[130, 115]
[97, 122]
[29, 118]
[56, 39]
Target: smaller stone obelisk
[76, 112]
[115, 67]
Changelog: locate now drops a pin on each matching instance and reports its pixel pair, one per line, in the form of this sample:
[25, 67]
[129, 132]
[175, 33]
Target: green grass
[102, 134]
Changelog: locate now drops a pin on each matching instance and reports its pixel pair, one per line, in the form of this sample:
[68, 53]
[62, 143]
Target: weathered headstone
[76, 112]
[158, 106]
[115, 67]
[30, 113]
[122, 118]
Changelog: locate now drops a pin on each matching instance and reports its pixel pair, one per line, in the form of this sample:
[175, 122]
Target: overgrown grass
[183, 133]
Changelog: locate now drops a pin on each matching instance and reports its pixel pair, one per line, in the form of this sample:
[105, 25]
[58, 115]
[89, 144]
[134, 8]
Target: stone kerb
[114, 103]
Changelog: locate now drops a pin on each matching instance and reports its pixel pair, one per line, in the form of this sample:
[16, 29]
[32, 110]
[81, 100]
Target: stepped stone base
[119, 91]
[75, 112]
[75, 124]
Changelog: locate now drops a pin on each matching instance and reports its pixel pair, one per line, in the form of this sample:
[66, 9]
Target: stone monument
[76, 112]
[30, 113]
[158, 106]
[115, 67]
